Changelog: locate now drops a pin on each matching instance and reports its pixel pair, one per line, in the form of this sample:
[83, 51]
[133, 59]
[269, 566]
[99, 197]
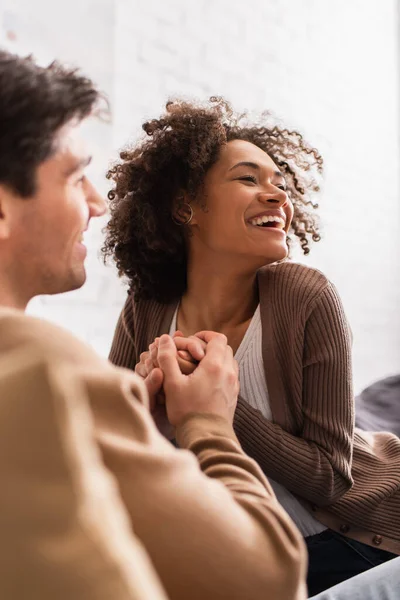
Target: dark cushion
[378, 406]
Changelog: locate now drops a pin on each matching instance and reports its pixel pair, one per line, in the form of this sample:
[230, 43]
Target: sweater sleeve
[65, 533]
[123, 348]
[208, 518]
[316, 463]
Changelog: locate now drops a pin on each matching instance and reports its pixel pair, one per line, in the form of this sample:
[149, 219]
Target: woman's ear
[183, 213]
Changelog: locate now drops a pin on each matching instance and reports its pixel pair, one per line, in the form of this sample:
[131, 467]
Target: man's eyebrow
[255, 166]
[78, 165]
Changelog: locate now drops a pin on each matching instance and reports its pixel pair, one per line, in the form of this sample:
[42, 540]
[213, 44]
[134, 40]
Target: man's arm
[64, 532]
[212, 526]
[212, 531]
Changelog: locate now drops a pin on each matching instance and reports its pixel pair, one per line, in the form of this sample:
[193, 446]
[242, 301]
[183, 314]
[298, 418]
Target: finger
[155, 379]
[178, 333]
[185, 355]
[141, 370]
[181, 343]
[207, 336]
[229, 353]
[193, 345]
[216, 350]
[236, 366]
[148, 363]
[143, 356]
[186, 367]
[231, 362]
[154, 383]
[231, 368]
[167, 359]
[154, 354]
[196, 347]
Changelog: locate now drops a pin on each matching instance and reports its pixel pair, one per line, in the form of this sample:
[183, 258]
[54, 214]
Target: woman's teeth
[260, 221]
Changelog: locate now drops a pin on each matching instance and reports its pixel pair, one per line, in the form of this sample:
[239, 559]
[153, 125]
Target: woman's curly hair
[148, 247]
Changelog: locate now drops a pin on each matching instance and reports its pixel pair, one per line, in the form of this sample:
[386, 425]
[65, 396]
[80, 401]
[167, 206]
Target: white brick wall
[328, 68]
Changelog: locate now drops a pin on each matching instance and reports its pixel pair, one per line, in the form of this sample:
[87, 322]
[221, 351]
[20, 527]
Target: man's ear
[5, 203]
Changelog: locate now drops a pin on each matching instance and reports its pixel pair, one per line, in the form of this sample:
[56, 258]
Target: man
[221, 536]
[46, 201]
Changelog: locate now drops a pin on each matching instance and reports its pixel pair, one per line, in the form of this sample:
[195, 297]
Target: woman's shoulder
[298, 290]
[293, 277]
[140, 305]
[149, 317]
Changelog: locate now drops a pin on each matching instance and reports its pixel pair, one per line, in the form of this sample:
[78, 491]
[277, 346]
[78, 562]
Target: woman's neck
[221, 298]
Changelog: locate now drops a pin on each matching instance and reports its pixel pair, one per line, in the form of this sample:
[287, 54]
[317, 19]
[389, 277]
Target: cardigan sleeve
[123, 349]
[316, 463]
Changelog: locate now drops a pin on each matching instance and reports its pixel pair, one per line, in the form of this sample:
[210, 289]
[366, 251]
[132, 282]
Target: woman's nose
[276, 197]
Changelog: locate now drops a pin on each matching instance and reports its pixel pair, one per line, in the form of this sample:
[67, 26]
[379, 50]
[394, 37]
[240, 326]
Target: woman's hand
[191, 351]
[213, 386]
[147, 368]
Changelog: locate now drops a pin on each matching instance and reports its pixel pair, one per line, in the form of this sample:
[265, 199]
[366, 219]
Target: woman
[201, 213]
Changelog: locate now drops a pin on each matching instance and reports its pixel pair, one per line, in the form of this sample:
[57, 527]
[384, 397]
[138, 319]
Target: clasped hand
[190, 375]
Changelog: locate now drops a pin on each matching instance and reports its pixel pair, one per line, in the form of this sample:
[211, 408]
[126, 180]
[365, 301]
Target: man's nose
[96, 202]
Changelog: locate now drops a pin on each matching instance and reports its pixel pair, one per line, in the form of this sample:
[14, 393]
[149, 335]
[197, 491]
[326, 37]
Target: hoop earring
[184, 205]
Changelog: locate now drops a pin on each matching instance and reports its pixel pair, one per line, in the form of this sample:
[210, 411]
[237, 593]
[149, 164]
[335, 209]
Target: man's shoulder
[40, 337]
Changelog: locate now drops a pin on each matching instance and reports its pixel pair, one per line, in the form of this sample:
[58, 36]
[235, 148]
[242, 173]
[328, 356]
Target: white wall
[328, 68]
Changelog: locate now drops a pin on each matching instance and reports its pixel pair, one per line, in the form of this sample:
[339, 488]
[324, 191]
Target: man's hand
[152, 376]
[154, 384]
[212, 388]
[189, 352]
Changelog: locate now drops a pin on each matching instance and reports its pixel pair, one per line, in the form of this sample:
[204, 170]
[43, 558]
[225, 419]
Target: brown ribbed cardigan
[349, 479]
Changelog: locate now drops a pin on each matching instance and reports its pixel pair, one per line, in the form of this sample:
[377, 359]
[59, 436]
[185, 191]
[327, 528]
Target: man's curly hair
[148, 247]
[35, 102]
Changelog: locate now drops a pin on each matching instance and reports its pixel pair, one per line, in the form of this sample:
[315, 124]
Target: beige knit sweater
[96, 505]
[350, 479]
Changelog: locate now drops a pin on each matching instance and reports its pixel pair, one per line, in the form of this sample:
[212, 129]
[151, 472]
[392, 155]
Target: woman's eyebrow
[245, 163]
[255, 166]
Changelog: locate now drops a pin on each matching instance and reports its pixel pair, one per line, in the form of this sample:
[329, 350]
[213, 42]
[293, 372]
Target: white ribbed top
[253, 386]
[253, 389]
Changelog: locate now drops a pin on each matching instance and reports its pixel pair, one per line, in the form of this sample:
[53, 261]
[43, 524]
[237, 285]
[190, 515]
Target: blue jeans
[379, 583]
[334, 558]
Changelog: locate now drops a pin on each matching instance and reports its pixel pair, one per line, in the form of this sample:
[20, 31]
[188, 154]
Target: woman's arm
[316, 464]
[123, 348]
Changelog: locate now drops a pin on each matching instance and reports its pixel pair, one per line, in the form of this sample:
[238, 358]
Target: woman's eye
[282, 187]
[248, 178]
